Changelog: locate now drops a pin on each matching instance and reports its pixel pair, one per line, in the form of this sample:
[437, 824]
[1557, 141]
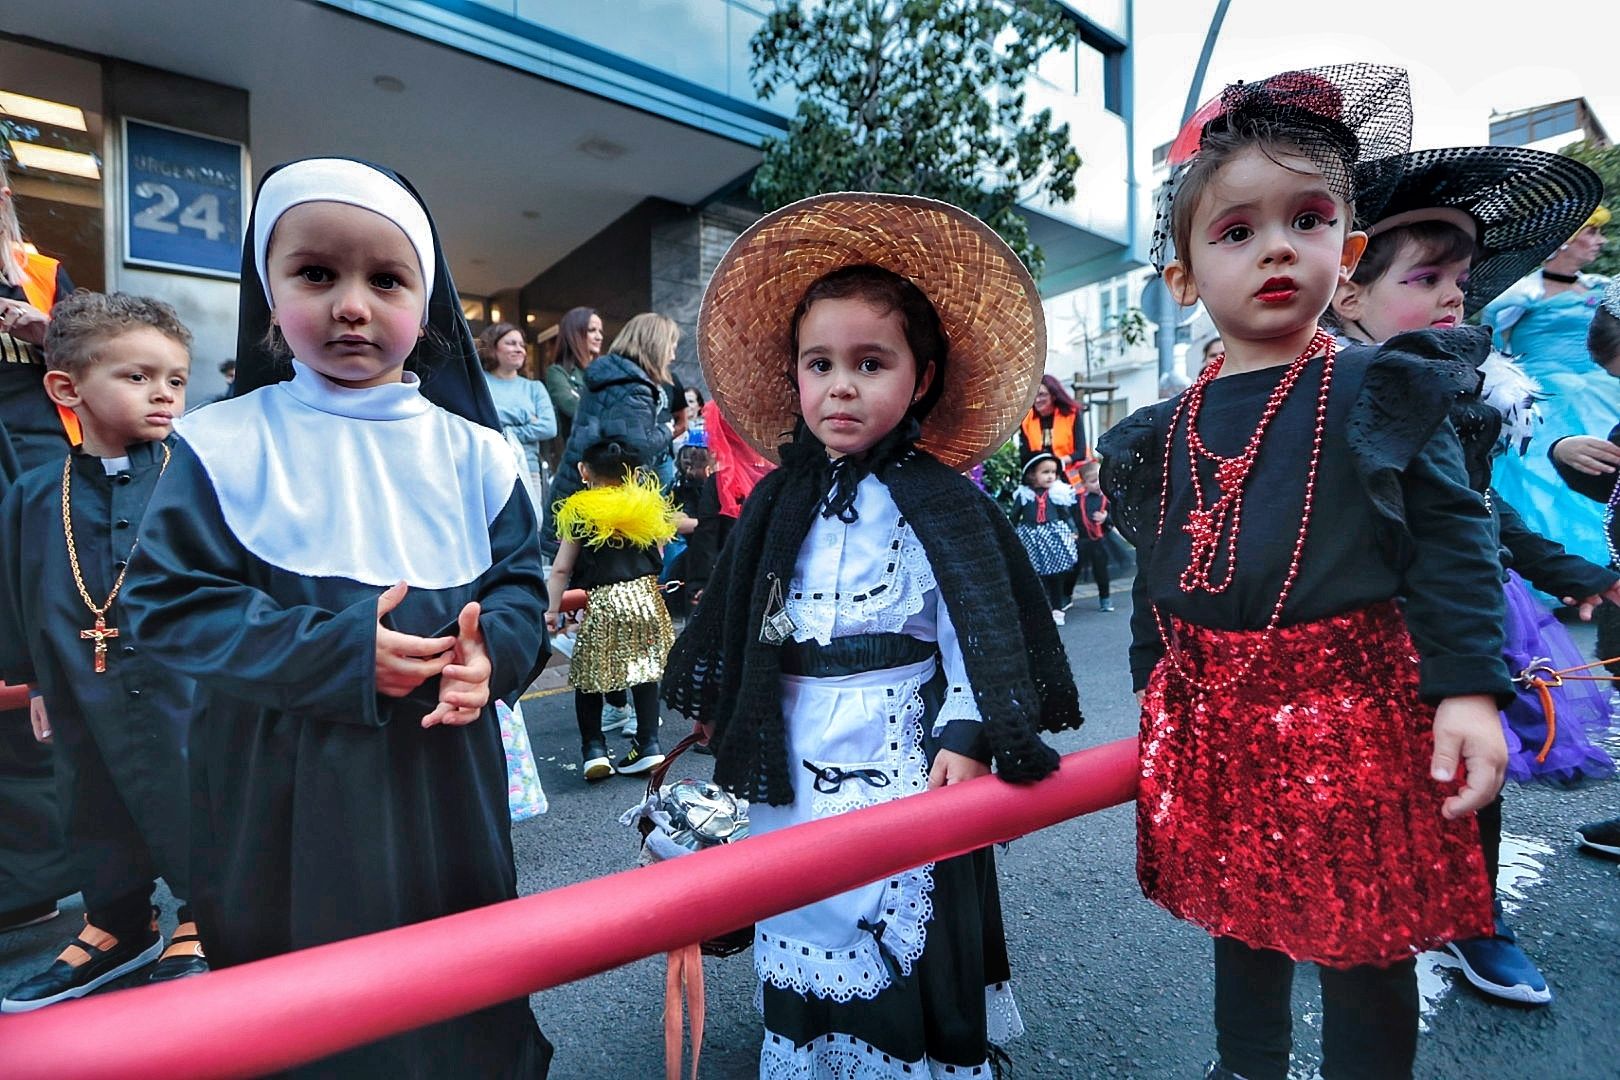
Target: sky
[1465, 59]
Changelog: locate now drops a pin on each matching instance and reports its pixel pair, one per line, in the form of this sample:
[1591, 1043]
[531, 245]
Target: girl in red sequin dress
[1312, 751]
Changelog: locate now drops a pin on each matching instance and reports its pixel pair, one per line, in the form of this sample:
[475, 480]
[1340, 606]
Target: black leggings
[1490, 839]
[1369, 1016]
[588, 712]
[128, 915]
[1056, 597]
[1094, 553]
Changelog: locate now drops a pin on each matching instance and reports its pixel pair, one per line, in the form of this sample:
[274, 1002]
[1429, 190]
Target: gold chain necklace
[100, 633]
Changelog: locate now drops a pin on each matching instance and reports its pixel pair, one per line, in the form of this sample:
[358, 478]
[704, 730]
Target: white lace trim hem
[843, 1057]
[859, 972]
[1003, 1022]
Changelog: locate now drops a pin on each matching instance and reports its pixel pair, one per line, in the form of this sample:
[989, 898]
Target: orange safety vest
[39, 285]
[1063, 440]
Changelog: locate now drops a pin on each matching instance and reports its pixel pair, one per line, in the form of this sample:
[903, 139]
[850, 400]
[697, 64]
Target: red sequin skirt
[1295, 810]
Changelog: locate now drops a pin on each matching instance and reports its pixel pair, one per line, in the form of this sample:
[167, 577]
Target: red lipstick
[1277, 290]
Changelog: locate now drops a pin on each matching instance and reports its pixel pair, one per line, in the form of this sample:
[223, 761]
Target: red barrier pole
[291, 1009]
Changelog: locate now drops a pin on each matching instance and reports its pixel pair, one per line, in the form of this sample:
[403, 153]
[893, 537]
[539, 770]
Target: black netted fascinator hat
[1343, 117]
[1517, 204]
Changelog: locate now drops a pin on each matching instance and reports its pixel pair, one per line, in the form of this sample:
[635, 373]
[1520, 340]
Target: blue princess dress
[1547, 336]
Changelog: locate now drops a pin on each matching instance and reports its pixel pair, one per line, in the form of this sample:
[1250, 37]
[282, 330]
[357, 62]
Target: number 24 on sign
[201, 214]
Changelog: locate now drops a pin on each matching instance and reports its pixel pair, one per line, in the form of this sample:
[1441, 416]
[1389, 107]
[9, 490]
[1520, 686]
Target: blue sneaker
[1498, 967]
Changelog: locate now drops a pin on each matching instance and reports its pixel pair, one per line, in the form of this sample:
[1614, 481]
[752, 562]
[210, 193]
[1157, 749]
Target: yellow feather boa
[635, 512]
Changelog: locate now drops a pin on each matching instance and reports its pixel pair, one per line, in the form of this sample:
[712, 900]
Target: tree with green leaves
[919, 97]
[1605, 161]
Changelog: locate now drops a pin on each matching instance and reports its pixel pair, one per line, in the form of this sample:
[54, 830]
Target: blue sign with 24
[183, 200]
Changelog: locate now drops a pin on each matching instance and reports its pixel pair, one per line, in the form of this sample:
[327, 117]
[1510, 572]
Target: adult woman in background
[625, 397]
[578, 342]
[29, 284]
[1542, 323]
[523, 405]
[1053, 425]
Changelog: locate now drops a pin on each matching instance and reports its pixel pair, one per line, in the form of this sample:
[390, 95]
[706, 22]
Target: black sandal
[182, 958]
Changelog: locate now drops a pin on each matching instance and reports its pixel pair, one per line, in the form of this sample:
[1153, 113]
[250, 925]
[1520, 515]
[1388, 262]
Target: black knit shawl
[720, 673]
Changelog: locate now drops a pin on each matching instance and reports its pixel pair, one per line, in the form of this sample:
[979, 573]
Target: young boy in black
[1091, 546]
[116, 721]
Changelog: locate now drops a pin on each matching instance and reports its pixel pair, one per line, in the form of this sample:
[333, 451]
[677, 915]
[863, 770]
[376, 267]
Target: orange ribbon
[1541, 678]
[684, 972]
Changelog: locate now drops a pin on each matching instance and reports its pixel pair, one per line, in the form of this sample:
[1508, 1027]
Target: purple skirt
[1584, 710]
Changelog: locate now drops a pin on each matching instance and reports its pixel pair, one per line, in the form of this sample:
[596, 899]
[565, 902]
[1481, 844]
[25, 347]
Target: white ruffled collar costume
[418, 486]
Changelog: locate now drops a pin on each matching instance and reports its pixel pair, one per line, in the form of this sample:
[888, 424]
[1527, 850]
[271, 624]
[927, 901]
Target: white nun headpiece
[341, 180]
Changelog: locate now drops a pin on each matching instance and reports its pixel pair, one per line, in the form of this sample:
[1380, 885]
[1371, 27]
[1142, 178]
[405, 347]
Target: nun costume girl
[322, 808]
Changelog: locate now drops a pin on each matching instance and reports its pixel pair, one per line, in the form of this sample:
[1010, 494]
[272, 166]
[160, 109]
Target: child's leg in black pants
[1369, 1021]
[645, 697]
[1053, 583]
[1369, 1016]
[1095, 554]
[588, 713]
[1490, 840]
[1254, 1010]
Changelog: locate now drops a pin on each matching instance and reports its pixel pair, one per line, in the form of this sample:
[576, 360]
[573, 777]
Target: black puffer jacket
[619, 400]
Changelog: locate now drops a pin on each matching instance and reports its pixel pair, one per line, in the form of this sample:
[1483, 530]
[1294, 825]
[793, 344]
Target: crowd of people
[264, 650]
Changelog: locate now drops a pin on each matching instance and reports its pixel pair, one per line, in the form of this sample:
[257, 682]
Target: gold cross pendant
[100, 633]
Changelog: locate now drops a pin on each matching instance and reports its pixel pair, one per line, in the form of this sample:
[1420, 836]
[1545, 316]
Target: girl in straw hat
[873, 628]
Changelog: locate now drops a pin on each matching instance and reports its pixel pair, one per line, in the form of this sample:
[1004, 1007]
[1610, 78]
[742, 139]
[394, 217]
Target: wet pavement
[1109, 985]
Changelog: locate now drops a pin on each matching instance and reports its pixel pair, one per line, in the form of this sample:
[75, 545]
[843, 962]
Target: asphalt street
[1109, 985]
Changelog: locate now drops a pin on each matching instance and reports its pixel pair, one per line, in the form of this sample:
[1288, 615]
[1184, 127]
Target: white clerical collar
[390, 401]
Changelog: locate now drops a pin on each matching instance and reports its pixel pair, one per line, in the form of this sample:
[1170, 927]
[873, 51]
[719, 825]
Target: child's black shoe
[641, 758]
[183, 957]
[93, 959]
[598, 766]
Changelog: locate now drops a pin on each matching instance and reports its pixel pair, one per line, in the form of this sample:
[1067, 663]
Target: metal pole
[1195, 91]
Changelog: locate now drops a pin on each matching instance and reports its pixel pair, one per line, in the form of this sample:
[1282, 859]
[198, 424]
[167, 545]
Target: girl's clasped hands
[405, 661]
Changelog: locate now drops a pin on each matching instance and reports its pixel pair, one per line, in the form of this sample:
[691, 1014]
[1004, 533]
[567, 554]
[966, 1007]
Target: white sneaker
[617, 717]
[1059, 618]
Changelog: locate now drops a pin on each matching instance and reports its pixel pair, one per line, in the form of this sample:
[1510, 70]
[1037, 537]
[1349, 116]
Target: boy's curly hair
[84, 322]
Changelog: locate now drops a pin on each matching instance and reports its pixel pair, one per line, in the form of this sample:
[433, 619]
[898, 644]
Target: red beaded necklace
[1216, 527]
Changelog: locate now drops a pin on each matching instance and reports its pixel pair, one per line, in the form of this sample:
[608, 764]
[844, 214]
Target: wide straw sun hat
[985, 297]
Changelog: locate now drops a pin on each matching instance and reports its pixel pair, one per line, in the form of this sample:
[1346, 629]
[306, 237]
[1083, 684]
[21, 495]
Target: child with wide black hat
[1463, 224]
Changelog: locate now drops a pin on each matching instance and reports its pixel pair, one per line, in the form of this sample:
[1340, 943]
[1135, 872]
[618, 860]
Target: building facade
[1549, 127]
[573, 153]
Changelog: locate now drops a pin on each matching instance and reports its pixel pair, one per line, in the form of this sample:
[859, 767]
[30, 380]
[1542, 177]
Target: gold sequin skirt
[624, 638]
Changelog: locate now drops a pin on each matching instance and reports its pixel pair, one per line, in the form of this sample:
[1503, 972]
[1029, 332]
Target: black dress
[1389, 457]
[322, 809]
